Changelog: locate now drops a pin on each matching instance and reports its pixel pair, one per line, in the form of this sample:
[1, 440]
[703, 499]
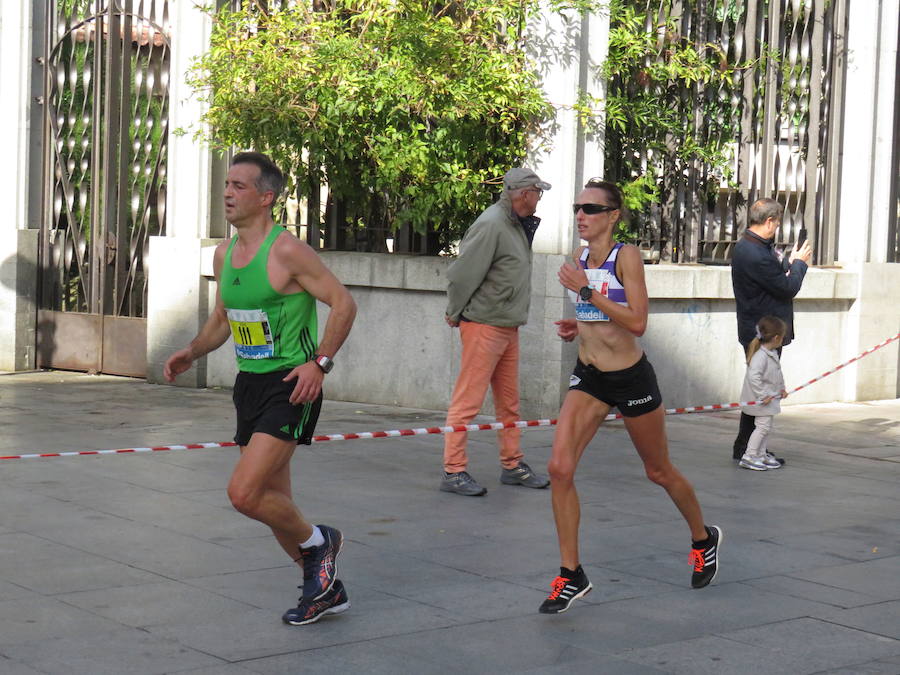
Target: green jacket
[490, 281]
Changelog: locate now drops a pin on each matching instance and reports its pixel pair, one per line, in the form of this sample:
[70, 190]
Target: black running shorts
[262, 403]
[633, 391]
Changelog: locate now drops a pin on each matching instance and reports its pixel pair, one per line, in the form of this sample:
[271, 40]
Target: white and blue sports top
[616, 291]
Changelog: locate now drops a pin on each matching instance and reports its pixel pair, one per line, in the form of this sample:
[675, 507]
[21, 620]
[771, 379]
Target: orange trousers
[490, 356]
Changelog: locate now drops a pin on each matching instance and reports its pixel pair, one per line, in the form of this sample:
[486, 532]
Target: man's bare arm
[308, 270]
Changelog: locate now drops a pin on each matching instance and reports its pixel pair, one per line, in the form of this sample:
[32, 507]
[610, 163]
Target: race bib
[598, 279]
[251, 333]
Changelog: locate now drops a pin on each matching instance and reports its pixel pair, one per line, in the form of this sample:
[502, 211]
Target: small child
[763, 382]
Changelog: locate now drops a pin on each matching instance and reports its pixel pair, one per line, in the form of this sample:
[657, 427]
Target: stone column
[866, 166]
[18, 245]
[866, 209]
[567, 51]
[873, 317]
[178, 293]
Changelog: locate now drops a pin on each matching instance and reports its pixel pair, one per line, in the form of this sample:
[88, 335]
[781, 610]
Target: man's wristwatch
[586, 293]
[324, 362]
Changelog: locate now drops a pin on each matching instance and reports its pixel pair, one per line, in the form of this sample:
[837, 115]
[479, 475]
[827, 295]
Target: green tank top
[271, 331]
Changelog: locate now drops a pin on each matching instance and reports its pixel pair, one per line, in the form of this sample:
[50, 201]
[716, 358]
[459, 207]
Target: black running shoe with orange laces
[307, 611]
[320, 563]
[565, 590]
[705, 558]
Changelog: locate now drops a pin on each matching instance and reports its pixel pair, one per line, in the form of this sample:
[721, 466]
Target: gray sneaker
[523, 475]
[462, 484]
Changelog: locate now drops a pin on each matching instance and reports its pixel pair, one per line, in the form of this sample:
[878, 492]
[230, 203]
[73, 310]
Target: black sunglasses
[592, 209]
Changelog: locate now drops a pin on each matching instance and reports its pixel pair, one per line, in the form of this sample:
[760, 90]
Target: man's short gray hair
[270, 176]
[763, 209]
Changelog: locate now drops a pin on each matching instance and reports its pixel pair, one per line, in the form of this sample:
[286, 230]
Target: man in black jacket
[764, 282]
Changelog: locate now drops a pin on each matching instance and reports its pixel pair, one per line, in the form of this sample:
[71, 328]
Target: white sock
[315, 540]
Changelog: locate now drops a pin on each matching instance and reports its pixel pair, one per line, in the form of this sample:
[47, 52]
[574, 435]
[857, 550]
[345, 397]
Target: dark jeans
[748, 424]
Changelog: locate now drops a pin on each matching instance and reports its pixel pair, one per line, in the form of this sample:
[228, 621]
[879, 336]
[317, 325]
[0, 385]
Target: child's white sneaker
[753, 463]
[771, 461]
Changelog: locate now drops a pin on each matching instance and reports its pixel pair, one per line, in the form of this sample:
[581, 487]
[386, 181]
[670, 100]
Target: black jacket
[763, 285]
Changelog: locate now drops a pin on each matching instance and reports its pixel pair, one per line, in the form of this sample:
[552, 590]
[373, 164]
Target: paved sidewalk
[138, 564]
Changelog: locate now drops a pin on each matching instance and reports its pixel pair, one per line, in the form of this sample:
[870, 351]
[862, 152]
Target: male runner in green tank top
[268, 282]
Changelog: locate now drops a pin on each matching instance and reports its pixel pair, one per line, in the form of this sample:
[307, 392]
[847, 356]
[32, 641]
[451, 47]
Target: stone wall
[401, 352]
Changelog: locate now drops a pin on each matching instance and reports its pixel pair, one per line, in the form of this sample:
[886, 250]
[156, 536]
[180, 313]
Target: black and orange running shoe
[307, 611]
[565, 590]
[320, 563]
[705, 559]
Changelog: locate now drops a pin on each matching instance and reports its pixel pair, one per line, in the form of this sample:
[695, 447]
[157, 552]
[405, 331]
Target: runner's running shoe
[565, 590]
[320, 563]
[705, 559]
[307, 611]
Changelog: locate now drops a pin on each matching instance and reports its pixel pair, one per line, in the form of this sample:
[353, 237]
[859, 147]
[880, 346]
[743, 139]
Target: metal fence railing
[785, 122]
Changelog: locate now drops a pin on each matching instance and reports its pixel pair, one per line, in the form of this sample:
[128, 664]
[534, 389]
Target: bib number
[598, 279]
[251, 333]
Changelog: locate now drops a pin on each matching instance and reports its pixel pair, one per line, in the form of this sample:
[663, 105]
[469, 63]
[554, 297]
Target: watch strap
[324, 362]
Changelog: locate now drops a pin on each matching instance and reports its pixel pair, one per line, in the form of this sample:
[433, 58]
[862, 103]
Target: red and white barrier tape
[435, 430]
[446, 429]
[728, 406]
[316, 439]
[846, 363]
[123, 451]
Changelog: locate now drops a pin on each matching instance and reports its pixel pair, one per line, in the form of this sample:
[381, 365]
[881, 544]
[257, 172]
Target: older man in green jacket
[488, 298]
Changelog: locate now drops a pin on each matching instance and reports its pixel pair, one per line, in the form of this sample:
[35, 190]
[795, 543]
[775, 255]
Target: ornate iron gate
[106, 116]
[786, 117]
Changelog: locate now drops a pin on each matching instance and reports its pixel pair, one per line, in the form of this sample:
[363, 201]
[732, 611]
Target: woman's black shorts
[633, 391]
[262, 403]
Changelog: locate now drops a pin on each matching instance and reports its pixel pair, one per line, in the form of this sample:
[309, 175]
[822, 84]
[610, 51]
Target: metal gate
[782, 124]
[105, 131]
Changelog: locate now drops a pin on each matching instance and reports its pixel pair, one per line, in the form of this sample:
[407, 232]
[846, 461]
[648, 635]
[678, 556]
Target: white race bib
[598, 279]
[251, 333]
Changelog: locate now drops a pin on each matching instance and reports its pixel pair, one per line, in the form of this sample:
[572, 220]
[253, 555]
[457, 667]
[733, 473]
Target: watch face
[586, 292]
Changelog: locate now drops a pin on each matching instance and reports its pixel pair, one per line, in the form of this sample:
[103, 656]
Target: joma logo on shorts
[638, 401]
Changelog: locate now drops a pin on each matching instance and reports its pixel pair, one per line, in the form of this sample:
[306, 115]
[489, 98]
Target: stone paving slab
[138, 563]
[879, 618]
[361, 657]
[814, 646]
[878, 577]
[155, 604]
[123, 651]
[822, 593]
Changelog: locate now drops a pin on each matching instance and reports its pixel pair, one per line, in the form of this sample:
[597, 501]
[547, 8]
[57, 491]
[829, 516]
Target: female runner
[612, 371]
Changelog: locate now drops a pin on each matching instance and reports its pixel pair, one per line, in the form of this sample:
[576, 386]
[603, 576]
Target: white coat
[763, 379]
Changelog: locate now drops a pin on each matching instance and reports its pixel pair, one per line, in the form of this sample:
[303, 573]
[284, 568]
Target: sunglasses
[592, 209]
